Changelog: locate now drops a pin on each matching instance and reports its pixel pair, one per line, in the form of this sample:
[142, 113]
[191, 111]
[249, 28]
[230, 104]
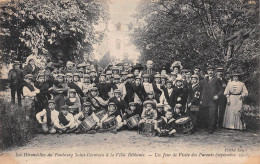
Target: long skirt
[232, 117]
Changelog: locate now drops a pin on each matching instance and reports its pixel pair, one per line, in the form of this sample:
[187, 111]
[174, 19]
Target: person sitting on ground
[112, 112]
[131, 111]
[48, 118]
[149, 114]
[85, 113]
[160, 111]
[67, 122]
[167, 125]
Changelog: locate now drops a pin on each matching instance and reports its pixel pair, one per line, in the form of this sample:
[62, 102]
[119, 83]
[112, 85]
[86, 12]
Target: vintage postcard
[129, 81]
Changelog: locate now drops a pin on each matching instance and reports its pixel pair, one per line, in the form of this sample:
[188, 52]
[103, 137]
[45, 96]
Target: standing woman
[235, 92]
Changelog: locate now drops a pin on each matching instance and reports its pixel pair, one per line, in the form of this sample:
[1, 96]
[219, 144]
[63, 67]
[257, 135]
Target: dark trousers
[209, 117]
[19, 94]
[59, 101]
[220, 113]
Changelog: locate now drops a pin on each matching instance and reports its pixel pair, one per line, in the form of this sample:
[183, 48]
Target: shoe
[101, 130]
[78, 131]
[92, 132]
[113, 131]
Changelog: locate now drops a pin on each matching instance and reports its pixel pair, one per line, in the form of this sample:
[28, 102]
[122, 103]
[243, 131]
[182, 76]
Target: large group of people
[81, 98]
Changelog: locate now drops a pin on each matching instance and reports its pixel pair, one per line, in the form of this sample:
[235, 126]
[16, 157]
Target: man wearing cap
[210, 89]
[222, 101]
[15, 78]
[29, 92]
[48, 118]
[149, 69]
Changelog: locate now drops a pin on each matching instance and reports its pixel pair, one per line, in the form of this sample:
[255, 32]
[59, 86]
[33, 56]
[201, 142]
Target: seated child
[149, 114]
[67, 122]
[120, 103]
[112, 112]
[166, 126]
[160, 111]
[178, 112]
[130, 112]
[48, 118]
[85, 113]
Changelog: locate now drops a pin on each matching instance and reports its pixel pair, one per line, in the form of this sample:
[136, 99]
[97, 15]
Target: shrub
[14, 129]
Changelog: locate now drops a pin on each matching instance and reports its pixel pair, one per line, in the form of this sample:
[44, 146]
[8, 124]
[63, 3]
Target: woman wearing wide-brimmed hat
[235, 92]
[136, 70]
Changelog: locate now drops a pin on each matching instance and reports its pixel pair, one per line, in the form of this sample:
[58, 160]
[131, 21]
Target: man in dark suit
[15, 77]
[149, 70]
[210, 89]
[222, 101]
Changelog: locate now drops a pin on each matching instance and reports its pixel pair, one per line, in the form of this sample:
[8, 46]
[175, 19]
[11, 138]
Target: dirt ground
[242, 143]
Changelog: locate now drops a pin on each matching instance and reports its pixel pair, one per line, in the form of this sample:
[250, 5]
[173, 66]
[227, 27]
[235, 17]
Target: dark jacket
[181, 92]
[209, 89]
[157, 92]
[29, 70]
[194, 95]
[15, 78]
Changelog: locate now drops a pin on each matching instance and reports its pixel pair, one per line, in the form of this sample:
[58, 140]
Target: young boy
[29, 92]
[179, 93]
[85, 113]
[194, 101]
[48, 118]
[130, 112]
[73, 100]
[112, 112]
[167, 92]
[59, 91]
[150, 96]
[120, 103]
[67, 122]
[160, 111]
[149, 114]
[166, 127]
[178, 111]
[148, 87]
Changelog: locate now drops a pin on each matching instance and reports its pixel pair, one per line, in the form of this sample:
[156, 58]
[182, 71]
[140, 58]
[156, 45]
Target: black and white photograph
[129, 81]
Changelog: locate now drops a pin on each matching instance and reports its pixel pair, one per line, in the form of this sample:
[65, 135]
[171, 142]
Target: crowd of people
[84, 99]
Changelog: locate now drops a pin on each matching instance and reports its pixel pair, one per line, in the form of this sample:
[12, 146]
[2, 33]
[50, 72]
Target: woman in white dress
[235, 92]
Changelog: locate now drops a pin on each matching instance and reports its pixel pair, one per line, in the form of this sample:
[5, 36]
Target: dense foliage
[201, 32]
[57, 29]
[14, 130]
